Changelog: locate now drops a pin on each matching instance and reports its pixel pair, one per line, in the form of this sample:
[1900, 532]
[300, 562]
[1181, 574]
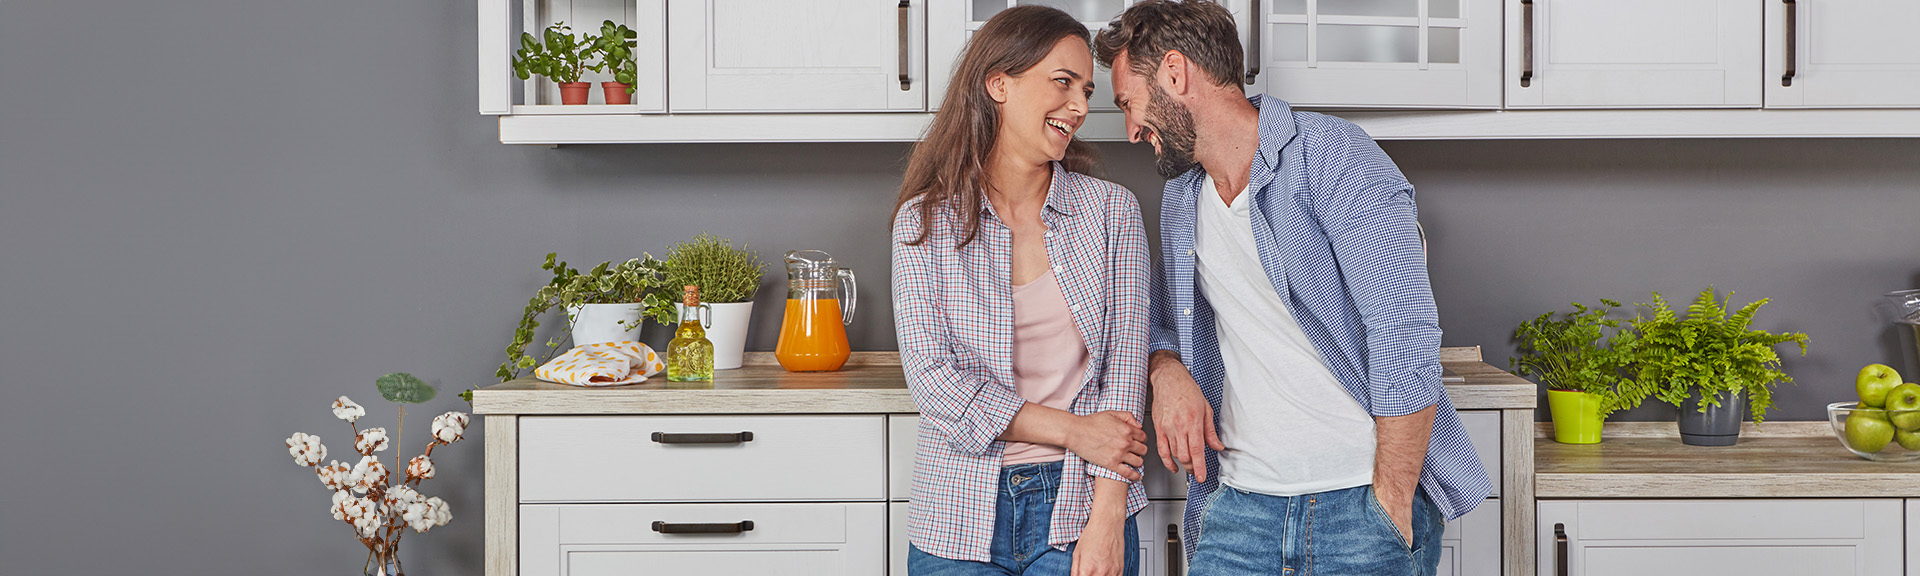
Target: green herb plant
[636, 280]
[1710, 353]
[1586, 350]
[723, 273]
[562, 58]
[615, 46]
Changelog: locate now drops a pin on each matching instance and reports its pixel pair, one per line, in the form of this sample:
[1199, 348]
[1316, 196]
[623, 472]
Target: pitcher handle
[847, 296]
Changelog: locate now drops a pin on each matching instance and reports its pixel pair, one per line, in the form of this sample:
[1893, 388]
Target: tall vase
[1718, 426]
[384, 562]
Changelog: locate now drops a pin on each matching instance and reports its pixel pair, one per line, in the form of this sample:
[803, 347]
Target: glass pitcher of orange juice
[813, 337]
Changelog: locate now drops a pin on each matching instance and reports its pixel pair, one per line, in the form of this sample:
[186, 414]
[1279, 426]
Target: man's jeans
[1334, 533]
[1021, 516]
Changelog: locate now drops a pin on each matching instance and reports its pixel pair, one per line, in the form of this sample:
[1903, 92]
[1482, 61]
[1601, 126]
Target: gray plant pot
[1718, 426]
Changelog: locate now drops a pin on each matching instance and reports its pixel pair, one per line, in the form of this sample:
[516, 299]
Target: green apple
[1868, 430]
[1873, 383]
[1903, 406]
[1909, 439]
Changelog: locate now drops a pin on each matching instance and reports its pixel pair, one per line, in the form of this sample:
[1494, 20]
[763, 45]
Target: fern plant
[723, 273]
[1710, 353]
[1586, 350]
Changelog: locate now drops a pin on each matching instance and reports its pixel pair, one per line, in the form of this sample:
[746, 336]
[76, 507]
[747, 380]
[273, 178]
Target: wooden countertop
[871, 383]
[1776, 460]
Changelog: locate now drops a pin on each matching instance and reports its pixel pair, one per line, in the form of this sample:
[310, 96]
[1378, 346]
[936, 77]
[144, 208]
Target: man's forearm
[1399, 455]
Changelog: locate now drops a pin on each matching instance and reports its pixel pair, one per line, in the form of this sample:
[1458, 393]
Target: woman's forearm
[1038, 424]
[1109, 501]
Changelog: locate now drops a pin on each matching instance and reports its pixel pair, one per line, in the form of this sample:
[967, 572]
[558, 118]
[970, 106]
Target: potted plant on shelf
[1708, 363]
[1581, 357]
[605, 304]
[562, 58]
[615, 46]
[728, 279]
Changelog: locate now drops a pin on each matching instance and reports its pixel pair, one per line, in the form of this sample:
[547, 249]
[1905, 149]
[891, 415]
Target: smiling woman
[1020, 297]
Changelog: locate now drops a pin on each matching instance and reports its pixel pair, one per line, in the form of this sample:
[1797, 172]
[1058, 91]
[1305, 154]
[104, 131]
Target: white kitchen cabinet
[1745, 537]
[1633, 53]
[784, 56]
[701, 458]
[1379, 53]
[1842, 54]
[951, 23]
[841, 539]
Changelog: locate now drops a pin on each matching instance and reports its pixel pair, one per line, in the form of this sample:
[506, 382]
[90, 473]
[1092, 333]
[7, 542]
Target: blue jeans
[1334, 533]
[1022, 513]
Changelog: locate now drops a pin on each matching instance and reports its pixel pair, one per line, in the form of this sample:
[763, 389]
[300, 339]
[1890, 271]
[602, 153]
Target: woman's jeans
[1022, 512]
[1333, 533]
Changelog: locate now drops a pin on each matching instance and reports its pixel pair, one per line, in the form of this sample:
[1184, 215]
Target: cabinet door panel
[779, 56]
[1381, 53]
[1847, 54]
[951, 24]
[1747, 537]
[1634, 54]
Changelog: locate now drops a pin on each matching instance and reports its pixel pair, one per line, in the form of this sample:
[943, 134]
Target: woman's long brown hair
[950, 163]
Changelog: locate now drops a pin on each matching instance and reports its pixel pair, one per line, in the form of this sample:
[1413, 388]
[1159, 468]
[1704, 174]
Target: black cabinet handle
[1259, 21]
[906, 80]
[722, 528]
[709, 438]
[1793, 41]
[1526, 43]
[1560, 549]
[1175, 552]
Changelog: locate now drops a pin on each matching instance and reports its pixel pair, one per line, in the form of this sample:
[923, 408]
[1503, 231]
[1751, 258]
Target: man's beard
[1174, 125]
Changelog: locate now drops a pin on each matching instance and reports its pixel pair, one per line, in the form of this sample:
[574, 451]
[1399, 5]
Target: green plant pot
[1576, 416]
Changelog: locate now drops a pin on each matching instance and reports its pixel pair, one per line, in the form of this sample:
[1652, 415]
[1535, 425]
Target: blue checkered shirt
[1334, 223]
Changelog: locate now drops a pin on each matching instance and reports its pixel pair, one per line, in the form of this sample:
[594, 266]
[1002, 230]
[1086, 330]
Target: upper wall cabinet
[1842, 53]
[787, 56]
[1634, 53]
[951, 24]
[1379, 53]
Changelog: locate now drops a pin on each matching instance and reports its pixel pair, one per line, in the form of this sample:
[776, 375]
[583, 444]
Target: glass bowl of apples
[1878, 434]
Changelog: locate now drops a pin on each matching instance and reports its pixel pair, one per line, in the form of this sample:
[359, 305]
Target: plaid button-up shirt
[1335, 223]
[953, 312]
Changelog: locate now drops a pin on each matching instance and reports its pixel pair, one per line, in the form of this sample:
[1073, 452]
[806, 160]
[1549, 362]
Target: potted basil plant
[728, 279]
[1708, 363]
[561, 58]
[1582, 357]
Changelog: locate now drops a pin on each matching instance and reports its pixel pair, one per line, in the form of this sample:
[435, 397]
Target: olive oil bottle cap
[692, 296]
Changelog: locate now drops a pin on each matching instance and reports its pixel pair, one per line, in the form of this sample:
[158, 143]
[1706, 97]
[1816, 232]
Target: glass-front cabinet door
[1379, 53]
[1842, 54]
[952, 23]
[787, 56]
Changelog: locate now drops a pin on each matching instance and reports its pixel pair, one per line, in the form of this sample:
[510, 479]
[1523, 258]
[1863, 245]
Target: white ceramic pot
[596, 323]
[727, 329]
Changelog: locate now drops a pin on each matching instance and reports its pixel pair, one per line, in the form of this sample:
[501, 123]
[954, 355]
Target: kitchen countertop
[871, 383]
[1776, 460]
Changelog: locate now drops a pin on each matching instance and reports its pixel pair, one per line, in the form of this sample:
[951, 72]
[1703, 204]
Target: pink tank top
[1049, 359]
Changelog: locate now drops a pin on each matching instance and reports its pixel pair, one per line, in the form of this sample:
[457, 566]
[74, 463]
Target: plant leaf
[403, 388]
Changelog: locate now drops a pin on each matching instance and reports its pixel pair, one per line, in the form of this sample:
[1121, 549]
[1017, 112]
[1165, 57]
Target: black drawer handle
[709, 438]
[1560, 549]
[724, 528]
[1175, 552]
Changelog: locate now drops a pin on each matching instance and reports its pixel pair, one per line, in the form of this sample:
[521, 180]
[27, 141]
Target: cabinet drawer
[626, 539]
[1748, 537]
[699, 458]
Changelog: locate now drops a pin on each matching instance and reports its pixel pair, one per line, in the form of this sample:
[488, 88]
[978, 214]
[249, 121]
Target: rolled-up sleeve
[1372, 227]
[1124, 387]
[970, 411]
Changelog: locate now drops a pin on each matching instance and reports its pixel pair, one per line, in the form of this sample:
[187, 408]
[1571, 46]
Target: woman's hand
[1102, 549]
[1111, 440]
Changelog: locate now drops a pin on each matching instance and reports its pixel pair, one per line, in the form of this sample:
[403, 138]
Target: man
[1295, 342]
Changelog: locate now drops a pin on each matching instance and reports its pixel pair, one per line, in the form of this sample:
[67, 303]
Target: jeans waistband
[1036, 477]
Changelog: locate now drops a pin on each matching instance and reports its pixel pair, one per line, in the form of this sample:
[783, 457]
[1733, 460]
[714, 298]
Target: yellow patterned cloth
[603, 364]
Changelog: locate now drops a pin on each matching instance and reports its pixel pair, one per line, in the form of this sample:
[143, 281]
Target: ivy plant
[635, 280]
[614, 46]
[1587, 350]
[561, 58]
[1710, 353]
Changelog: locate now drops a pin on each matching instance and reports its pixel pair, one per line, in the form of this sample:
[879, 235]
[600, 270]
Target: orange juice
[813, 338]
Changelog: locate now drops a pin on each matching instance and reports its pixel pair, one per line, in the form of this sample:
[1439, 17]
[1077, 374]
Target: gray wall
[216, 216]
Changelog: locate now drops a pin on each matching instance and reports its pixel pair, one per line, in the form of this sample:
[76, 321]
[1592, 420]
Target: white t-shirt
[1289, 426]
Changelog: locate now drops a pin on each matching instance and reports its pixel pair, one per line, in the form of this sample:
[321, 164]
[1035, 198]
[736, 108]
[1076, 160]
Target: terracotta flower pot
[616, 93]
[574, 92]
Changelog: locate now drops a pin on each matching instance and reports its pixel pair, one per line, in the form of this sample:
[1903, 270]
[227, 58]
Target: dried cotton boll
[334, 475]
[306, 449]
[370, 440]
[367, 474]
[345, 409]
[449, 428]
[420, 467]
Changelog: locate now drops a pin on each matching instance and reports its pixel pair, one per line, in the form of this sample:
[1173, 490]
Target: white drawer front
[1470, 545]
[621, 539]
[903, 437]
[620, 459]
[1747, 537]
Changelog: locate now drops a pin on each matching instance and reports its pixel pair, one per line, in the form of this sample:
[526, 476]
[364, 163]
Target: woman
[1020, 300]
